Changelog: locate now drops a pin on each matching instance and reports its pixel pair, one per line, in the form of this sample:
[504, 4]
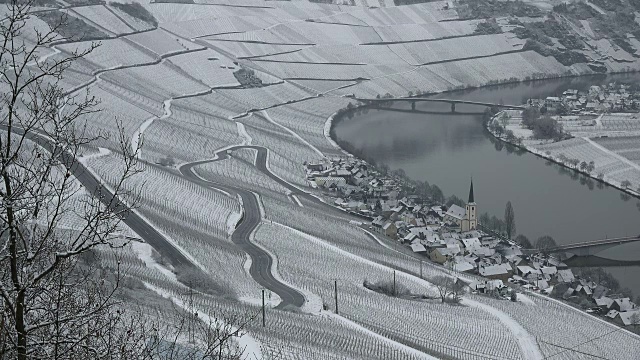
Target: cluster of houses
[355, 186]
[451, 236]
[605, 98]
[620, 309]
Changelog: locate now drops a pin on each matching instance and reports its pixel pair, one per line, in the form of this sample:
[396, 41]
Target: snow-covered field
[610, 141]
[174, 88]
[313, 264]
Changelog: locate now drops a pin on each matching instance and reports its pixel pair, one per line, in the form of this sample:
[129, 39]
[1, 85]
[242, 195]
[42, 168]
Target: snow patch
[101, 152]
[248, 344]
[242, 132]
[263, 214]
[271, 300]
[295, 198]
[327, 131]
[525, 300]
[234, 218]
[137, 136]
[526, 341]
[144, 252]
[401, 347]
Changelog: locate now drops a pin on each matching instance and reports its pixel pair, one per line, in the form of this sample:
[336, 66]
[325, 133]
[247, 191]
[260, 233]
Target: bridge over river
[453, 102]
[587, 248]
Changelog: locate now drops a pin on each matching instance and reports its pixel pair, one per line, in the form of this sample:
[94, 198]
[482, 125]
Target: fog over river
[447, 149]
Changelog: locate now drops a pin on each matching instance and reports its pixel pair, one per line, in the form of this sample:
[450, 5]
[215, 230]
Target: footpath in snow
[526, 341]
[138, 134]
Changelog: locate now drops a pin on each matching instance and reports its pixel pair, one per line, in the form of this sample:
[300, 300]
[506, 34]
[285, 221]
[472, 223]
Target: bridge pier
[413, 105]
[453, 107]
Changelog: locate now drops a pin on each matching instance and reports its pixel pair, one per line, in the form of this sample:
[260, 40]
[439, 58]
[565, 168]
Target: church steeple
[470, 221]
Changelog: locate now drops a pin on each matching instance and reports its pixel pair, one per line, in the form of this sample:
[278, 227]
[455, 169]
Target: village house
[622, 304]
[565, 276]
[389, 229]
[441, 255]
[501, 272]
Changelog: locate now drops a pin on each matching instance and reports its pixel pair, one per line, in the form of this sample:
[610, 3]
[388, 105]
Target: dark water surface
[447, 149]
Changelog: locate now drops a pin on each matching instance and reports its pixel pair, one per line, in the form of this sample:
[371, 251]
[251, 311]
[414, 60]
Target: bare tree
[544, 243]
[57, 301]
[509, 220]
[52, 307]
[523, 241]
[449, 288]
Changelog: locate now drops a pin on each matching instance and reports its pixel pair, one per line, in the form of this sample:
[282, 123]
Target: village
[450, 236]
[598, 99]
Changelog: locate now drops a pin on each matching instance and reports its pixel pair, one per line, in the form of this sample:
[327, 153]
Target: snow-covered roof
[471, 242]
[448, 251]
[482, 251]
[472, 234]
[566, 276]
[494, 284]
[549, 270]
[514, 259]
[417, 247]
[493, 270]
[528, 270]
[604, 301]
[456, 212]
[625, 304]
[542, 284]
[627, 317]
[417, 230]
[462, 266]
[410, 237]
[378, 221]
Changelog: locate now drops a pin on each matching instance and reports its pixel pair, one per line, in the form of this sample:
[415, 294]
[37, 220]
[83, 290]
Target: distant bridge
[453, 102]
[587, 248]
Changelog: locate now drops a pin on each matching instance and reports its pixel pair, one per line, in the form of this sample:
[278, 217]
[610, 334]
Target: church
[466, 219]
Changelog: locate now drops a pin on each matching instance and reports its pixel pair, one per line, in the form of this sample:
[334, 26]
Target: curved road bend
[261, 261]
[261, 165]
[148, 233]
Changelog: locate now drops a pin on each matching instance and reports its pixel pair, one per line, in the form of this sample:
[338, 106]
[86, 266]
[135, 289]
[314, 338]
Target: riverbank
[521, 142]
[518, 282]
[338, 116]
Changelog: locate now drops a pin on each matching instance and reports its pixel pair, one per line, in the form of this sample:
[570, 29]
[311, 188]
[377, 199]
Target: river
[448, 149]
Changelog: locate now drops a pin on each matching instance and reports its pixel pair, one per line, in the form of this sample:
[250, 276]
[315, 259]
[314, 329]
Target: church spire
[471, 200]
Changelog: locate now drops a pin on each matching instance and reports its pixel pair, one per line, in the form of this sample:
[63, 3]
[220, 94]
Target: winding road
[261, 261]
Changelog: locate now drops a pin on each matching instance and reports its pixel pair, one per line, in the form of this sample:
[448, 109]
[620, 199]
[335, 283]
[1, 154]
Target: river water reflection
[447, 149]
